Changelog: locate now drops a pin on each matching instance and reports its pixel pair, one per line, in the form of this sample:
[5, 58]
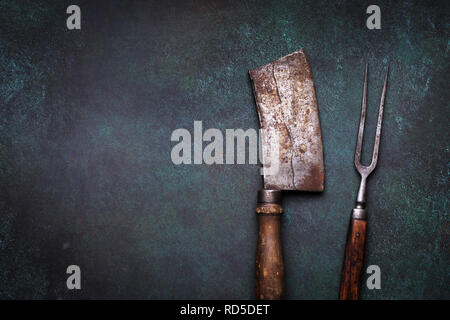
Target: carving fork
[356, 238]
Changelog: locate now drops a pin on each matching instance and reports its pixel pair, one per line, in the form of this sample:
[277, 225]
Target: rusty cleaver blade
[287, 108]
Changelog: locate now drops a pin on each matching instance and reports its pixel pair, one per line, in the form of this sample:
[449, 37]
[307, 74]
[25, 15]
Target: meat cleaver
[286, 102]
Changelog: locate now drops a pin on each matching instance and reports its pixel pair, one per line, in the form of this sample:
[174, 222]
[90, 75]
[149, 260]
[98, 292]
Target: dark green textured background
[85, 171]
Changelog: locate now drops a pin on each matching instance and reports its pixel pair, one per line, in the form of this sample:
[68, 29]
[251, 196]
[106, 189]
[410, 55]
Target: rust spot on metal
[302, 148]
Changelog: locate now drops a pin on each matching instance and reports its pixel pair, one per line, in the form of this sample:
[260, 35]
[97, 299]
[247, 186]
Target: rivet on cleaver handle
[287, 108]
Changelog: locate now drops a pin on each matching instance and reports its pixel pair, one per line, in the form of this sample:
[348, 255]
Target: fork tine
[380, 120]
[361, 123]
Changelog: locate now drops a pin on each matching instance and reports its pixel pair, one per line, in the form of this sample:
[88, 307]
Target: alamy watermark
[235, 142]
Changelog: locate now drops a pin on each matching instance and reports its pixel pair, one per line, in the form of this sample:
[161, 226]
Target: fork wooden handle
[269, 253]
[353, 260]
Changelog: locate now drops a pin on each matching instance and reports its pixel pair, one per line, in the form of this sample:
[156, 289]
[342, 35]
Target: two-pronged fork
[356, 238]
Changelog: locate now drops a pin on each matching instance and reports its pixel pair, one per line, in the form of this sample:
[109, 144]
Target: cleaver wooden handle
[353, 260]
[269, 252]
